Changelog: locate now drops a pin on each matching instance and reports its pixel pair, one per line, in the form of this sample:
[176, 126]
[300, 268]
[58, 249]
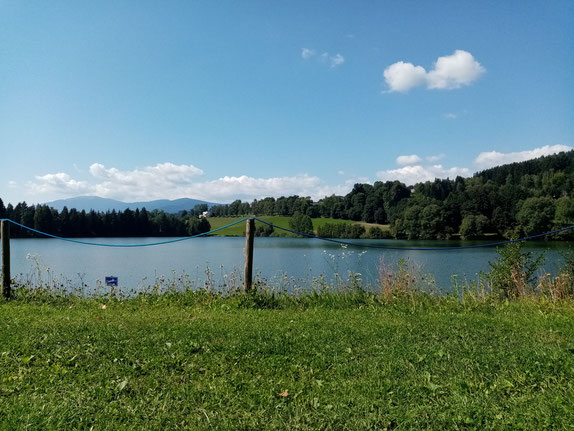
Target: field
[325, 361]
[239, 229]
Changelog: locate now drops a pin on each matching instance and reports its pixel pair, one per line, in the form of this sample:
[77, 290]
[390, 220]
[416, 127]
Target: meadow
[350, 360]
[497, 354]
[281, 221]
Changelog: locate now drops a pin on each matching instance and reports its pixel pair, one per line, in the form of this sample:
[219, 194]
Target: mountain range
[98, 204]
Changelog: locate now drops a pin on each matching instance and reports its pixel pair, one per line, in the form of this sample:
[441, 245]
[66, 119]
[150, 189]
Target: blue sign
[111, 281]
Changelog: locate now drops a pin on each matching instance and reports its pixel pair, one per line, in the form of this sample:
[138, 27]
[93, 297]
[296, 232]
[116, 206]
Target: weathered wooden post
[5, 229]
[249, 235]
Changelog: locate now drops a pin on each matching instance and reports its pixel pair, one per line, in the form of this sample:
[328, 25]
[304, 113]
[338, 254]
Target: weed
[512, 274]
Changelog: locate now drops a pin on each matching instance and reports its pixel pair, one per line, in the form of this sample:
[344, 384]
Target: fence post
[5, 229]
[249, 235]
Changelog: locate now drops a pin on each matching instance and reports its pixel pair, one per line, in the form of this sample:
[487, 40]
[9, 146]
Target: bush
[513, 272]
[378, 233]
[341, 230]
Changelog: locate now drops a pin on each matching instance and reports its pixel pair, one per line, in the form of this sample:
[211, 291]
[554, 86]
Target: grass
[239, 229]
[348, 360]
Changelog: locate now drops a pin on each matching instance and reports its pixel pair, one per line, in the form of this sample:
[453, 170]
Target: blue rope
[122, 245]
[385, 247]
[336, 241]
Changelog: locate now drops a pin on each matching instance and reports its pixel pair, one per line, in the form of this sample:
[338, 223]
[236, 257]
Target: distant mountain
[98, 204]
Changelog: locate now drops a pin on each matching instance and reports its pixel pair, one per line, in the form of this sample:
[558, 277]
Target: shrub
[513, 272]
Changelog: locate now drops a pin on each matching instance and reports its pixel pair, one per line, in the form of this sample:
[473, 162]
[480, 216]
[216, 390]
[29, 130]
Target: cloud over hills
[489, 159]
[171, 181]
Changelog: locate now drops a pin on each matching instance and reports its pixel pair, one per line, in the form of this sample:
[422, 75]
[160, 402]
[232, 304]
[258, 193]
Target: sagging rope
[171, 241]
[386, 247]
[336, 241]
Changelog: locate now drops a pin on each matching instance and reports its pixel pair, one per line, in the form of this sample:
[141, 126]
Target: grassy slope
[239, 229]
[138, 365]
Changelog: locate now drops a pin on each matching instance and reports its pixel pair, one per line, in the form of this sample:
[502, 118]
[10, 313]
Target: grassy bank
[239, 229]
[321, 361]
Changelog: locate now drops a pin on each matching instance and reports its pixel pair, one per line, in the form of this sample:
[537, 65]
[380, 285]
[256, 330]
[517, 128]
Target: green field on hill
[239, 229]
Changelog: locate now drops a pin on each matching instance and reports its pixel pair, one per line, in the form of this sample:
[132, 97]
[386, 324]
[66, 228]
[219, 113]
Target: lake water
[283, 262]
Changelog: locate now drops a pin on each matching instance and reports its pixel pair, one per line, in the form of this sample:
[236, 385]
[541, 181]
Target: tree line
[128, 223]
[524, 198]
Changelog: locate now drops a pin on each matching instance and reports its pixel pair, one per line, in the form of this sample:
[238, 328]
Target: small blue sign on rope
[111, 281]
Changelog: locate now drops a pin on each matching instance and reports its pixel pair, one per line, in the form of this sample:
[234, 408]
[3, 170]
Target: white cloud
[326, 58]
[403, 76]
[449, 72]
[417, 173]
[450, 116]
[59, 182]
[435, 158]
[307, 53]
[454, 71]
[337, 60]
[170, 181]
[164, 173]
[245, 187]
[489, 159]
[413, 159]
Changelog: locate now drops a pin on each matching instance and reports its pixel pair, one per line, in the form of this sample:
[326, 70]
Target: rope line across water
[336, 241]
[171, 241]
[386, 247]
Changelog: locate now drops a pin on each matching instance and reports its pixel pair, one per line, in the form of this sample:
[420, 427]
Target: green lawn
[197, 362]
[239, 229]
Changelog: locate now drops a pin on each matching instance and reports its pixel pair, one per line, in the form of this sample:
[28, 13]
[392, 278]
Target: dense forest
[524, 198]
[128, 223]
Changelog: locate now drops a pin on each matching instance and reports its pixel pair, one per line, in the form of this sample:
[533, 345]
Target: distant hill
[98, 204]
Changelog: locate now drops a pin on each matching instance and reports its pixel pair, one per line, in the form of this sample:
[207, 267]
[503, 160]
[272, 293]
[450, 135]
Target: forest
[523, 198]
[129, 223]
[518, 199]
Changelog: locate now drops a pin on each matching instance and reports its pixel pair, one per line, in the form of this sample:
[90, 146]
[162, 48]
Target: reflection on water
[218, 262]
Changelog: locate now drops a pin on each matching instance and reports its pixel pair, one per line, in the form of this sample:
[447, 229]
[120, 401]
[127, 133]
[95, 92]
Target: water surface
[283, 262]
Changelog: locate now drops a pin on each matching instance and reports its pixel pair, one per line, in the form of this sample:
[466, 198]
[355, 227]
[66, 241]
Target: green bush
[512, 274]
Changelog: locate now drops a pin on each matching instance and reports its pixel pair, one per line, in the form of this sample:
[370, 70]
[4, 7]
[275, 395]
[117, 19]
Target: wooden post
[5, 228]
[249, 235]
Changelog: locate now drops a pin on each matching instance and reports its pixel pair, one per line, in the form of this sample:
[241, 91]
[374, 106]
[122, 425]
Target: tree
[564, 216]
[198, 209]
[196, 225]
[473, 226]
[536, 215]
[301, 223]
[43, 220]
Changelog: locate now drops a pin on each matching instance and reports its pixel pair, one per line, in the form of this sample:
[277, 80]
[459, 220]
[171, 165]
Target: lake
[289, 263]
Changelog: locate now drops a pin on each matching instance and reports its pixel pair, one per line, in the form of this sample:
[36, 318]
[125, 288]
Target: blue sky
[139, 100]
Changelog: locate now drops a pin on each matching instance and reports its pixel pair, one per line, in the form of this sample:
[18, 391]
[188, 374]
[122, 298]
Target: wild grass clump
[512, 274]
[406, 282]
[516, 274]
